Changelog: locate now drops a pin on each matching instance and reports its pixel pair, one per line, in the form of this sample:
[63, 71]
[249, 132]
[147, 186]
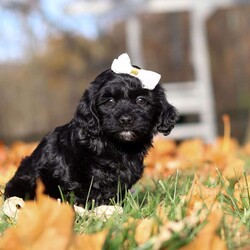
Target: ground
[192, 196]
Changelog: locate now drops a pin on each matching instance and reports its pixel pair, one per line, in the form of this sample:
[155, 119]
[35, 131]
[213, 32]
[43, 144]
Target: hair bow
[122, 64]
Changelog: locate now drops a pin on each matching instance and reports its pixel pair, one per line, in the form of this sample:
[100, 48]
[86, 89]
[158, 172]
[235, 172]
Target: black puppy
[102, 147]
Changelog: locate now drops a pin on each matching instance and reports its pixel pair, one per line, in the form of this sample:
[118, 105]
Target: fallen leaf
[3, 153]
[246, 149]
[161, 148]
[6, 174]
[207, 238]
[164, 235]
[19, 150]
[171, 228]
[224, 147]
[145, 228]
[192, 152]
[161, 213]
[89, 241]
[234, 168]
[44, 224]
[48, 224]
[200, 195]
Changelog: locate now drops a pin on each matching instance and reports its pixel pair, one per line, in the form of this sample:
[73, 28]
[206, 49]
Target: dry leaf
[173, 227]
[89, 241]
[240, 235]
[47, 224]
[3, 153]
[19, 150]
[207, 238]
[192, 152]
[161, 213]
[6, 174]
[164, 235]
[162, 151]
[44, 224]
[145, 228]
[234, 168]
[200, 195]
[221, 152]
[246, 149]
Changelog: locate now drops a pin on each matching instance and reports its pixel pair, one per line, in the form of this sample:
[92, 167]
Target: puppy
[101, 150]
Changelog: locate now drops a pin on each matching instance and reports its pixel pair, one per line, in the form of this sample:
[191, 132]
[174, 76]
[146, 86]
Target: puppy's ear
[168, 115]
[86, 117]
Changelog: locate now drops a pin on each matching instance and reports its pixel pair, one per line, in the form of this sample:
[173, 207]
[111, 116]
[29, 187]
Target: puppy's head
[116, 106]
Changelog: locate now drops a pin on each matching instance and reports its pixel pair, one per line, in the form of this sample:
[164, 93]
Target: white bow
[122, 64]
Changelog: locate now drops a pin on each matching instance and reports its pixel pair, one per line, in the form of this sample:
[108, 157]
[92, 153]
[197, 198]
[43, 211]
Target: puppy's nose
[126, 119]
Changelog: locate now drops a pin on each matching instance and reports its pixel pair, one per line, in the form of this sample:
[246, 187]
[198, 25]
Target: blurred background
[51, 50]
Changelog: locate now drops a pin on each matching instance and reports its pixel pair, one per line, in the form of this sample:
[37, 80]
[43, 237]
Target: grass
[140, 204]
[143, 201]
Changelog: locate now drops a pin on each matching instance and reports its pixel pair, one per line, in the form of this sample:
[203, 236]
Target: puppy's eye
[110, 102]
[141, 101]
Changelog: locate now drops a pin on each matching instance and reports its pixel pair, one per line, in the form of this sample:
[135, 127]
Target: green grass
[142, 202]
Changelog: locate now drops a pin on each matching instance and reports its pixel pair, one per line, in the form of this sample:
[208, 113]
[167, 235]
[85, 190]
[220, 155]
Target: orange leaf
[44, 224]
[161, 213]
[246, 149]
[144, 230]
[3, 153]
[207, 238]
[18, 151]
[192, 151]
[200, 195]
[89, 241]
[7, 174]
[234, 168]
[161, 151]
[220, 152]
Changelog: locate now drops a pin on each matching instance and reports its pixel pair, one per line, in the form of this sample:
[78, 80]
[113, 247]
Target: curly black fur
[102, 147]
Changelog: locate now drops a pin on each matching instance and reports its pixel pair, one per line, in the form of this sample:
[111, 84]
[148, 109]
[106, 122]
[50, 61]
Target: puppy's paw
[105, 212]
[12, 207]
[80, 210]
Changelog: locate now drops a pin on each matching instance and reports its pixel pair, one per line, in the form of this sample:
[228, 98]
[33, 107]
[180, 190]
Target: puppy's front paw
[12, 207]
[105, 212]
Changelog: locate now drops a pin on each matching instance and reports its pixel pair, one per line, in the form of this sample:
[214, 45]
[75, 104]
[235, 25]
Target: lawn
[192, 196]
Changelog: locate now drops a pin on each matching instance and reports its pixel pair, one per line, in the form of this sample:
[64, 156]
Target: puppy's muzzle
[126, 119]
